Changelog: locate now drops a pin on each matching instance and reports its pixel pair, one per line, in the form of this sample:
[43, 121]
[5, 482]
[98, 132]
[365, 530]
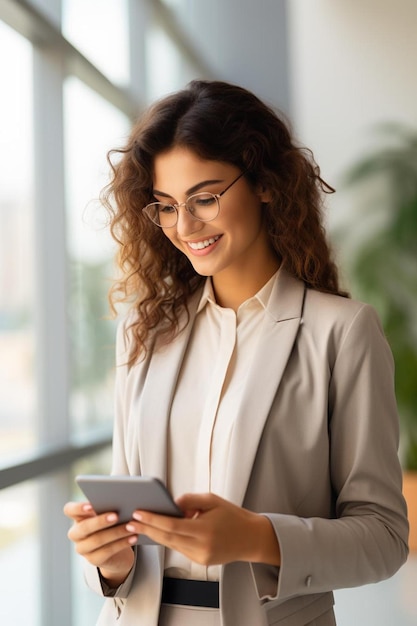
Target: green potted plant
[383, 270]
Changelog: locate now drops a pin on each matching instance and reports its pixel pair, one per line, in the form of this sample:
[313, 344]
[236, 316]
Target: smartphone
[125, 494]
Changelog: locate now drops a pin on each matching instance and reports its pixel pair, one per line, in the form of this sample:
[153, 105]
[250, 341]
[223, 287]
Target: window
[19, 544]
[92, 128]
[71, 95]
[18, 399]
[105, 44]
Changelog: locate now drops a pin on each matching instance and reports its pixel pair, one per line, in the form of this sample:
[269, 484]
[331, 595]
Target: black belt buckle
[203, 593]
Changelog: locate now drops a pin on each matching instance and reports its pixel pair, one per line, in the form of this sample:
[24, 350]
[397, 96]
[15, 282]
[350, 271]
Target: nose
[186, 223]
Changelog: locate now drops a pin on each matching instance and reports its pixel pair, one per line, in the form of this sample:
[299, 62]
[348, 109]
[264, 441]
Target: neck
[232, 290]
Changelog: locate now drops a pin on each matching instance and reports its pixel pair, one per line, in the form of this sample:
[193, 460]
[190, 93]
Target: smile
[200, 245]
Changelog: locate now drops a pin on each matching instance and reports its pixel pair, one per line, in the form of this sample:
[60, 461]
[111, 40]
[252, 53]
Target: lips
[205, 243]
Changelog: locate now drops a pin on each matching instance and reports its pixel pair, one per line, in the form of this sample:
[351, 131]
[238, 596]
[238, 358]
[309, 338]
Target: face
[232, 244]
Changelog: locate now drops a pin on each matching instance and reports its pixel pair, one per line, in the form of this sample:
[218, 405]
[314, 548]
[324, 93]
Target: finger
[78, 510]
[192, 513]
[170, 535]
[90, 525]
[198, 501]
[148, 523]
[105, 542]
[102, 555]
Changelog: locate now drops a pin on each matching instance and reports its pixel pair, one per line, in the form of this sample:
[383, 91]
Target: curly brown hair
[222, 122]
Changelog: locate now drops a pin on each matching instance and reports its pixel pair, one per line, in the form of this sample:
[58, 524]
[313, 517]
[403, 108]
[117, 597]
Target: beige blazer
[314, 448]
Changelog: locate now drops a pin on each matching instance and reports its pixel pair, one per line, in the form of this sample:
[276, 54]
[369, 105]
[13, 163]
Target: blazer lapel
[157, 396]
[277, 337]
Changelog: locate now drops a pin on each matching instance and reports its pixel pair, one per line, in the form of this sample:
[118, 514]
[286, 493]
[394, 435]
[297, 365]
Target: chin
[201, 272]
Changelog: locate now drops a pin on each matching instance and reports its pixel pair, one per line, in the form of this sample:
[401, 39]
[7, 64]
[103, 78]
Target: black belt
[190, 592]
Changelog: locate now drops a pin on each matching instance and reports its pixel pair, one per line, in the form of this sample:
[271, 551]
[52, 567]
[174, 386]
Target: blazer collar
[287, 297]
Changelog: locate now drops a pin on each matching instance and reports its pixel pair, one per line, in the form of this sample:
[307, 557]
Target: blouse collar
[262, 296]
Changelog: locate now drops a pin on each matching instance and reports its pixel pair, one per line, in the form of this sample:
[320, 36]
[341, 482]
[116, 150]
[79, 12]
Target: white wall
[244, 42]
[352, 65]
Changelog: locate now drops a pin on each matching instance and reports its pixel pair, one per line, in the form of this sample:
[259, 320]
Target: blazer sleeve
[367, 539]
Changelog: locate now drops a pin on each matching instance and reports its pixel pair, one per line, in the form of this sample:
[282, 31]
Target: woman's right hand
[100, 540]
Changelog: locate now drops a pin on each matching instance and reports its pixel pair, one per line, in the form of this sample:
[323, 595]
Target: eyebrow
[192, 189]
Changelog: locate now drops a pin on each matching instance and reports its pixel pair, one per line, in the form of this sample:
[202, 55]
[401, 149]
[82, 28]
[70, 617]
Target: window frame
[54, 59]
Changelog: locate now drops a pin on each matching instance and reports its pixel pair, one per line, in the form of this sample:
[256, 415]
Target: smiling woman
[240, 356]
[233, 242]
[277, 173]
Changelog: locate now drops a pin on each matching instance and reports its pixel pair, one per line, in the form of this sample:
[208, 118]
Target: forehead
[181, 167]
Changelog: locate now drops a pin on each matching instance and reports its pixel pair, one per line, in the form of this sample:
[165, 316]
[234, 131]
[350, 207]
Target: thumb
[194, 503]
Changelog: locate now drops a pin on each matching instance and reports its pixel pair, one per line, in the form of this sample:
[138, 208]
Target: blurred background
[74, 74]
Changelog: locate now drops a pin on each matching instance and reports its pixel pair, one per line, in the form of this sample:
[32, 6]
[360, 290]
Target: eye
[165, 209]
[201, 200]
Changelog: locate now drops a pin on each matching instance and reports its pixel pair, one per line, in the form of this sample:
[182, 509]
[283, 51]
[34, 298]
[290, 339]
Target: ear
[263, 194]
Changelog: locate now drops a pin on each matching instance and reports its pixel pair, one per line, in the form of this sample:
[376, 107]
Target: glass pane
[17, 334]
[104, 41]
[19, 556]
[86, 605]
[163, 64]
[166, 69]
[92, 127]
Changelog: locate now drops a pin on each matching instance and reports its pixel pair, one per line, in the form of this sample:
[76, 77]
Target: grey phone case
[125, 494]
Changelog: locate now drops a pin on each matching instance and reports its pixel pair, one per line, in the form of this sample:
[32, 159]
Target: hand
[213, 532]
[99, 539]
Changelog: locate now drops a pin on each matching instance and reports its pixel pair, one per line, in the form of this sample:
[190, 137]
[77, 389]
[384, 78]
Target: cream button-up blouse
[212, 377]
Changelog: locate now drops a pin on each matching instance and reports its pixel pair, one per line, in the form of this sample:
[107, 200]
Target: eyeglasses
[203, 206]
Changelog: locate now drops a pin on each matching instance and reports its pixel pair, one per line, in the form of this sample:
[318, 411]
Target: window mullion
[51, 305]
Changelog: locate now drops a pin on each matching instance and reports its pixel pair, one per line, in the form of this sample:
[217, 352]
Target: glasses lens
[203, 206]
[164, 215]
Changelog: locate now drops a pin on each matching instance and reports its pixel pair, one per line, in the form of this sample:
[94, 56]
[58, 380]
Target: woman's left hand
[213, 531]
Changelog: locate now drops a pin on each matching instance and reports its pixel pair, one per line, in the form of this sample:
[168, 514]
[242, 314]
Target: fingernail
[87, 507]
[112, 517]
[133, 539]
[137, 516]
[130, 528]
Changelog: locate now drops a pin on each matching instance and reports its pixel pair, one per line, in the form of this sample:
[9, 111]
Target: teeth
[200, 245]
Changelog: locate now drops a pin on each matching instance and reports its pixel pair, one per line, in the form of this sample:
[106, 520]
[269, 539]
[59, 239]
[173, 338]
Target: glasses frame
[176, 206]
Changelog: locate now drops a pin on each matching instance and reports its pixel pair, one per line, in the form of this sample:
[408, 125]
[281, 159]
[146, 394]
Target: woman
[247, 381]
